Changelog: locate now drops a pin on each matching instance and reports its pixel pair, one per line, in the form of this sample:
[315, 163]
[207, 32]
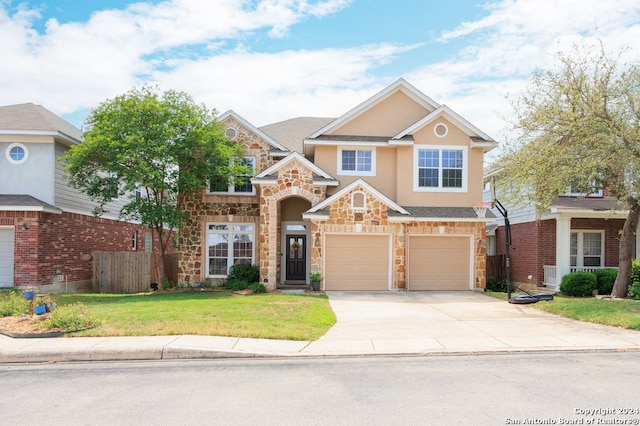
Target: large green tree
[578, 127]
[153, 149]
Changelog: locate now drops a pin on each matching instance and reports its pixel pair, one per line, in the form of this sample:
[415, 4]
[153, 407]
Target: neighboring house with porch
[379, 198]
[577, 232]
[47, 230]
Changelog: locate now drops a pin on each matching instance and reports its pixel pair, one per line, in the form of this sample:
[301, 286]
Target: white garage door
[439, 263]
[6, 257]
[356, 262]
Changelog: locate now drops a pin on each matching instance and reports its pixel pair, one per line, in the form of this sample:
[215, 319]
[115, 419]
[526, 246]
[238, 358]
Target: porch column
[563, 247]
[272, 243]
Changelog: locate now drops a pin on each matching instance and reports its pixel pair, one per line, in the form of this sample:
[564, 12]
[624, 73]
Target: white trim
[334, 142]
[231, 186]
[230, 256]
[42, 133]
[440, 148]
[450, 115]
[252, 128]
[580, 245]
[367, 188]
[294, 156]
[341, 172]
[25, 151]
[44, 209]
[435, 130]
[364, 201]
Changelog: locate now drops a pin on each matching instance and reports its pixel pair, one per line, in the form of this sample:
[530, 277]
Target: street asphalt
[368, 324]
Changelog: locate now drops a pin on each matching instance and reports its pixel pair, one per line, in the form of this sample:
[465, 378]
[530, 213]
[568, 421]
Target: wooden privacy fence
[496, 267]
[130, 272]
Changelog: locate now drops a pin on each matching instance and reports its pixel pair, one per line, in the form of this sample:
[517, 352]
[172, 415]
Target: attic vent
[358, 202]
[231, 133]
[441, 130]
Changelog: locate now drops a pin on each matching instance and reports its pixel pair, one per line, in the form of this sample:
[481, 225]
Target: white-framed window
[17, 153]
[222, 185]
[440, 168]
[587, 249]
[358, 201]
[356, 162]
[229, 244]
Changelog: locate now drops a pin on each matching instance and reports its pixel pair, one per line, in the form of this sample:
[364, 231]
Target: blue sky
[270, 60]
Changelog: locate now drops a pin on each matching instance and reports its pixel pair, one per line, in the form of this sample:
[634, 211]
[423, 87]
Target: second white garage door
[439, 263]
[6, 257]
[356, 262]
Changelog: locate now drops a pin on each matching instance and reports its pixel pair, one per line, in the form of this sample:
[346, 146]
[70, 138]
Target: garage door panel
[357, 262]
[6, 257]
[439, 263]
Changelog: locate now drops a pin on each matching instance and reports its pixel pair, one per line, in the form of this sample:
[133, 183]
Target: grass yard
[212, 313]
[619, 313]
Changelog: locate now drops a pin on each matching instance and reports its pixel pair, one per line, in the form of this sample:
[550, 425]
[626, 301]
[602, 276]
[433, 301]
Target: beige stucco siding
[387, 118]
[406, 170]
[326, 157]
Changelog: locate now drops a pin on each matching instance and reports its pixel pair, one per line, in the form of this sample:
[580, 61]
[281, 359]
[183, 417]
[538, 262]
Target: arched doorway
[294, 241]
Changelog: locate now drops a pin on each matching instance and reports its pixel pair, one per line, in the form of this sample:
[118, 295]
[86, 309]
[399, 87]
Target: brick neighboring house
[578, 232]
[47, 229]
[377, 199]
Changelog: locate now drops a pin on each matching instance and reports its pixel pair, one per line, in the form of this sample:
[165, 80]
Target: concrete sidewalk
[369, 323]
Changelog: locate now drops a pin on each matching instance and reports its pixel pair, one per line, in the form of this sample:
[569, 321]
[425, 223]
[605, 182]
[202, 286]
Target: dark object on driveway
[527, 298]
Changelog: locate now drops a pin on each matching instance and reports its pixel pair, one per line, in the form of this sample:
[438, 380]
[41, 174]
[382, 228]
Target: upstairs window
[440, 169]
[241, 185]
[356, 162]
[17, 153]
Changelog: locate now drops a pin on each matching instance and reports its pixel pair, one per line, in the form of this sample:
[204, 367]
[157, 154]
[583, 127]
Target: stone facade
[375, 220]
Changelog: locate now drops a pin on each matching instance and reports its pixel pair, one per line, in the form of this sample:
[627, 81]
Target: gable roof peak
[400, 85]
[231, 113]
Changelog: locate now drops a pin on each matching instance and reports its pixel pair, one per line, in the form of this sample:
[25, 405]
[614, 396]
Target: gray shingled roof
[291, 133]
[446, 212]
[586, 203]
[32, 117]
[24, 202]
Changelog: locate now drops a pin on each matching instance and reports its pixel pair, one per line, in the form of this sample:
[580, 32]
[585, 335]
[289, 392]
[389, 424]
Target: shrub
[634, 290]
[258, 288]
[70, 318]
[605, 279]
[237, 285]
[581, 283]
[244, 272]
[13, 303]
[494, 285]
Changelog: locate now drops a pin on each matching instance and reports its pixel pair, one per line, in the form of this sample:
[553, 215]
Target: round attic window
[17, 153]
[441, 130]
[231, 133]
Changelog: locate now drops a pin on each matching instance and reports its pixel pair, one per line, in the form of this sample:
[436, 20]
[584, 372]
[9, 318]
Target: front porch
[552, 279]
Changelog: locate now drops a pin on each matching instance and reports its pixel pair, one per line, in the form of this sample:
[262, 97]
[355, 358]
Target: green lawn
[270, 316]
[619, 313]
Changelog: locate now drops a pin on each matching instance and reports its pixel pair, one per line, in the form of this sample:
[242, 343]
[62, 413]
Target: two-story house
[47, 230]
[578, 232]
[379, 198]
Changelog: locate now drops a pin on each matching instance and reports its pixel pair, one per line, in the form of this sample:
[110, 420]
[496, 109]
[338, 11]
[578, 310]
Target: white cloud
[74, 65]
[504, 48]
[265, 88]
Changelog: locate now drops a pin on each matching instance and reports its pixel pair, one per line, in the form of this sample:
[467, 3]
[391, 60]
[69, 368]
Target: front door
[296, 257]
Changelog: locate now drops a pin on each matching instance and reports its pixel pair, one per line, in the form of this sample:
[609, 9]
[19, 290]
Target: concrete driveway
[420, 322]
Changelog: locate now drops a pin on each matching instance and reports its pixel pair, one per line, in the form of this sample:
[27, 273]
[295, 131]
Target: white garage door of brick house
[6, 256]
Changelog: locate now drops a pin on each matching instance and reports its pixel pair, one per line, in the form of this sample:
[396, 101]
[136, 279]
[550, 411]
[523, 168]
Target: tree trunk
[621, 286]
[161, 273]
